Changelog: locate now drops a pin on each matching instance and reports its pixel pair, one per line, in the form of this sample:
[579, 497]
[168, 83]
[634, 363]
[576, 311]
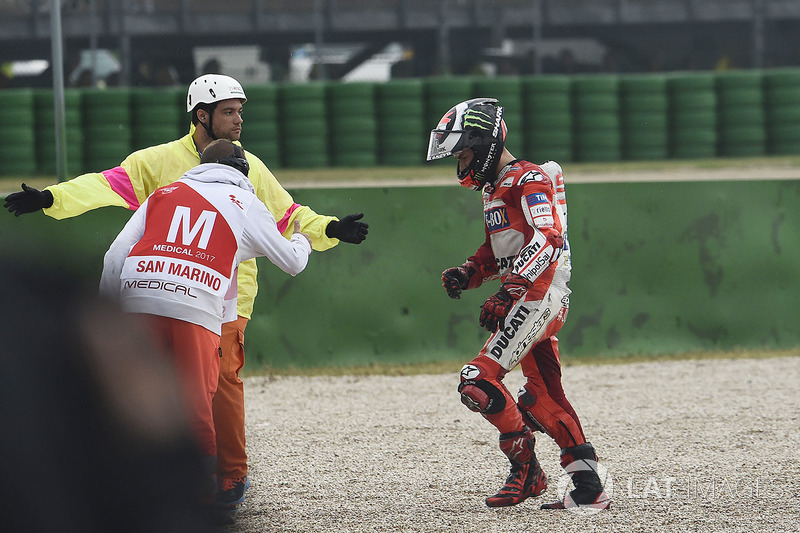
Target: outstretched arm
[28, 200]
[262, 239]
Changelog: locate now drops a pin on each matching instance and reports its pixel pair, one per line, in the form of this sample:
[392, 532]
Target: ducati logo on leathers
[504, 263]
[510, 331]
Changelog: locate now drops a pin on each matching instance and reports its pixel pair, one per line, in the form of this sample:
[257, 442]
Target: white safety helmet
[211, 88]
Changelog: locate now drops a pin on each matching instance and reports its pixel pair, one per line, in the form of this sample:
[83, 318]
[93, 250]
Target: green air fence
[598, 117]
[657, 268]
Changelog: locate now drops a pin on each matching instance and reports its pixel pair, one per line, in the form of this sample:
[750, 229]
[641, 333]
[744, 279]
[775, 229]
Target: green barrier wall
[658, 268]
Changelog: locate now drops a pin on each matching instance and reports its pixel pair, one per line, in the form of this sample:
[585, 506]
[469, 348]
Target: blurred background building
[154, 43]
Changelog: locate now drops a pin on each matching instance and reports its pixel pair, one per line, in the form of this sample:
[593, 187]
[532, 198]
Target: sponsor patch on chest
[496, 219]
[540, 210]
[536, 199]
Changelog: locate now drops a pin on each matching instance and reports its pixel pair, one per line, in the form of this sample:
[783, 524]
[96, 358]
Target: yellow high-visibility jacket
[144, 171]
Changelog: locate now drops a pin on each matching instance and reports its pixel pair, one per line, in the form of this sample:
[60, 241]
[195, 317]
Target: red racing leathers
[526, 240]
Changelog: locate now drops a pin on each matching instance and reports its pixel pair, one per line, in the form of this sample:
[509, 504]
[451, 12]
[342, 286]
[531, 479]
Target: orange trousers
[229, 403]
[197, 358]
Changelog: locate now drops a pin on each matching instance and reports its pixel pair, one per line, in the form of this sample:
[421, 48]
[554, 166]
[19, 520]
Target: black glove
[348, 229]
[495, 309]
[455, 280]
[28, 200]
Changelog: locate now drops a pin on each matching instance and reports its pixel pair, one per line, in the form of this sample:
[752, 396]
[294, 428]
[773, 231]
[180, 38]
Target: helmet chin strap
[210, 127]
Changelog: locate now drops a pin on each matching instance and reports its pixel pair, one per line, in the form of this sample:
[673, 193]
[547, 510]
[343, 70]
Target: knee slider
[474, 398]
[478, 394]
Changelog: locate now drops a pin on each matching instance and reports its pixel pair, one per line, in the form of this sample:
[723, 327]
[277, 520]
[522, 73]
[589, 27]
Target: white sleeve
[540, 251]
[534, 258]
[261, 238]
[114, 259]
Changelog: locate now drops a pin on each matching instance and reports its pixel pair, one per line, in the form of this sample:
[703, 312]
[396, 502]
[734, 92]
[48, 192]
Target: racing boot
[580, 462]
[526, 479]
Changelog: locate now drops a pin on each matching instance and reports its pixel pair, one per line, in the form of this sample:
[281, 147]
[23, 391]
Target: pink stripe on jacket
[121, 184]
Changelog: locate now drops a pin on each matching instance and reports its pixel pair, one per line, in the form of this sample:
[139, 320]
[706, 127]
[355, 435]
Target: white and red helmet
[476, 124]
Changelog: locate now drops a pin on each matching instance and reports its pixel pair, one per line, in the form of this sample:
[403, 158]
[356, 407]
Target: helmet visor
[443, 143]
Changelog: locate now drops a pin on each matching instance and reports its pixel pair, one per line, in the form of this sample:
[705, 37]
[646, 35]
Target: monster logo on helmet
[475, 124]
